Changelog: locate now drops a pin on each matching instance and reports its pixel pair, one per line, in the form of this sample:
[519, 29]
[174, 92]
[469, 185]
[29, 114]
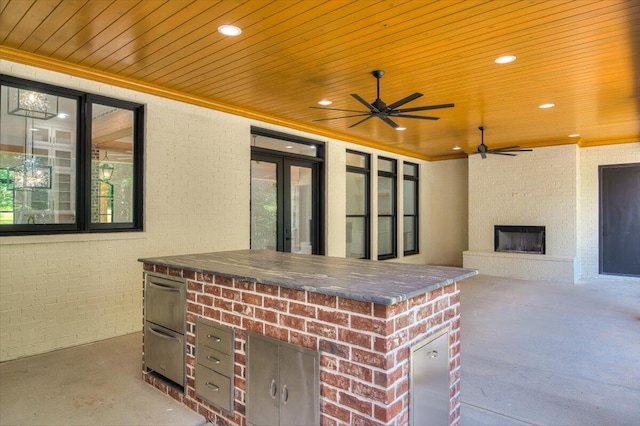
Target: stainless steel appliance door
[430, 381]
[164, 352]
[263, 387]
[299, 382]
[165, 302]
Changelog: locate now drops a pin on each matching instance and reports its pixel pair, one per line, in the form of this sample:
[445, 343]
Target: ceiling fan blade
[505, 148]
[501, 153]
[365, 103]
[335, 109]
[512, 149]
[388, 121]
[425, 108]
[403, 101]
[344, 116]
[361, 121]
[422, 117]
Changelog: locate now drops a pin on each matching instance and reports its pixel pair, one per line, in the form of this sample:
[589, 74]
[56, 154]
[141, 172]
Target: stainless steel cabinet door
[430, 381]
[263, 390]
[299, 393]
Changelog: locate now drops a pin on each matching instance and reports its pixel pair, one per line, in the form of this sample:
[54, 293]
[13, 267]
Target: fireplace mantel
[362, 317]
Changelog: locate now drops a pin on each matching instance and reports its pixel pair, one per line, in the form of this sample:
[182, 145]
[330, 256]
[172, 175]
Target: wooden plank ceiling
[581, 55]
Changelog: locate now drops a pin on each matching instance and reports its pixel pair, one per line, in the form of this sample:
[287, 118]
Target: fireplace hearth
[519, 239]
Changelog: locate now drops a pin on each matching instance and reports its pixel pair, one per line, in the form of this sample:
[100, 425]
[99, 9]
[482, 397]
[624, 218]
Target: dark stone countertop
[386, 283]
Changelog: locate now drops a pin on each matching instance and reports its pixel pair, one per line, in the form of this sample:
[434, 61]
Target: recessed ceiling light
[574, 135]
[229, 30]
[545, 106]
[506, 59]
[400, 128]
[63, 115]
[325, 102]
[289, 146]
[456, 148]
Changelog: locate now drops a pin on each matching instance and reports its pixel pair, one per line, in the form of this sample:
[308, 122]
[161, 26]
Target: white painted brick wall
[533, 188]
[63, 290]
[448, 211]
[554, 185]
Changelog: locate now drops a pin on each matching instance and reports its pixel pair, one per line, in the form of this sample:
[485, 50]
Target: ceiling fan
[383, 111]
[483, 150]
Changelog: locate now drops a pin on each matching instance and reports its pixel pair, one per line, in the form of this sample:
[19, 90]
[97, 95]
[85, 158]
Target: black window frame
[366, 172]
[393, 175]
[416, 208]
[83, 182]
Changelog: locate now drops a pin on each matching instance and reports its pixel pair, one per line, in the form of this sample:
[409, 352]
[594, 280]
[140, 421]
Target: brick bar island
[361, 317]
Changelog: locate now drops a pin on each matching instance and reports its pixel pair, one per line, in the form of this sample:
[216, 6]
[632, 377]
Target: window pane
[410, 169]
[386, 195]
[409, 197]
[356, 194]
[410, 233]
[112, 162]
[385, 236]
[264, 205]
[36, 162]
[301, 193]
[355, 159]
[385, 165]
[356, 237]
[284, 146]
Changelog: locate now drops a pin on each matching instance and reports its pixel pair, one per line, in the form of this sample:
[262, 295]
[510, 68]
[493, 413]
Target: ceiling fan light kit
[483, 150]
[383, 111]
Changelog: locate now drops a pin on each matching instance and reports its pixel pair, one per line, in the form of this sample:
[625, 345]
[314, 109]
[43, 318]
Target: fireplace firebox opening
[519, 239]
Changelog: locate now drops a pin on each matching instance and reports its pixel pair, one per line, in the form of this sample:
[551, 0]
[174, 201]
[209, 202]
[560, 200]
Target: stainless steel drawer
[165, 302]
[217, 361]
[214, 387]
[164, 352]
[215, 338]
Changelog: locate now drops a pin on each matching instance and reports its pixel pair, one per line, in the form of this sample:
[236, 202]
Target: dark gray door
[620, 219]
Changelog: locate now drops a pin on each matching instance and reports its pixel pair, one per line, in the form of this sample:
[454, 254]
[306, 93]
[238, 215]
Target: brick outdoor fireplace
[364, 347]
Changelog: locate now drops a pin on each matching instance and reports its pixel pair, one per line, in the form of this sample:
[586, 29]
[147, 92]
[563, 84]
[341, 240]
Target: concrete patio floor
[541, 353]
[533, 353]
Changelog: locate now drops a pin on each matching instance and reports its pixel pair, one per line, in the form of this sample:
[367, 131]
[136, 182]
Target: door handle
[285, 394]
[162, 287]
[164, 336]
[273, 389]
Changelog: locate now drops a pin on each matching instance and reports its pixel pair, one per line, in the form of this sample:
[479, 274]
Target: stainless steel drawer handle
[164, 336]
[162, 287]
[214, 338]
[215, 360]
[212, 386]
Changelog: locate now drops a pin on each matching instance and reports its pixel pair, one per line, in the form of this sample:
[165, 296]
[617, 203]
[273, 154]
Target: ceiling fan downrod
[381, 106]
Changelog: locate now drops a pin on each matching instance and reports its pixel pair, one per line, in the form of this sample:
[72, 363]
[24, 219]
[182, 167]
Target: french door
[285, 204]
